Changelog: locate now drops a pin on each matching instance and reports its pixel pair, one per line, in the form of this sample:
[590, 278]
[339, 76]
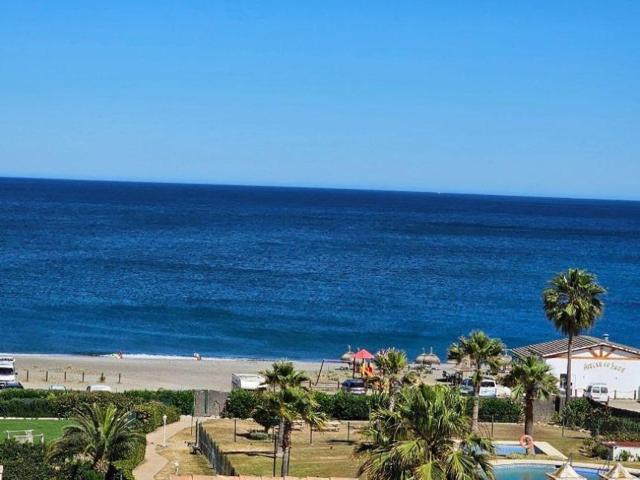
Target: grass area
[177, 450]
[52, 429]
[330, 455]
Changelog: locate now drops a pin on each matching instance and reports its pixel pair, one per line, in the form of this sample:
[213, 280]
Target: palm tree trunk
[280, 435]
[286, 450]
[569, 384]
[476, 408]
[528, 417]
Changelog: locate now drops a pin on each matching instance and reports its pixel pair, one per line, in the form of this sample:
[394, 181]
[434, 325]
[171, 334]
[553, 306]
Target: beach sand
[137, 373]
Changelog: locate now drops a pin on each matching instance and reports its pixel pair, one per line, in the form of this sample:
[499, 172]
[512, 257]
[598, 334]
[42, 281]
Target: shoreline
[133, 372]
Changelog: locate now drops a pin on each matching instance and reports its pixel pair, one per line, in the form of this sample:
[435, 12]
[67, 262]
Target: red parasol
[362, 354]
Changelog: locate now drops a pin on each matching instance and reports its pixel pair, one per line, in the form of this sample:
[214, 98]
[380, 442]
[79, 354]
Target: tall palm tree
[283, 374]
[572, 302]
[101, 435]
[532, 379]
[391, 363]
[291, 404]
[481, 350]
[427, 437]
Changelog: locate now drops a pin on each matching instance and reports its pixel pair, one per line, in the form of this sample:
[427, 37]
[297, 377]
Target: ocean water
[98, 267]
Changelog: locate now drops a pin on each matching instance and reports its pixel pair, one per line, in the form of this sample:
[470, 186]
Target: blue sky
[507, 97]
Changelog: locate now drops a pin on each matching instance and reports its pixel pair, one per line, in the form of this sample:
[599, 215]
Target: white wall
[620, 371]
[616, 451]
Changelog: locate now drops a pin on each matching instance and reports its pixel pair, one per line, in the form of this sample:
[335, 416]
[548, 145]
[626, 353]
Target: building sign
[604, 364]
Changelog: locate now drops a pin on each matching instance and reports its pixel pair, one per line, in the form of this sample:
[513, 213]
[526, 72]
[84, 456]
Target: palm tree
[481, 350]
[427, 436]
[532, 379]
[101, 435]
[283, 374]
[572, 302]
[391, 363]
[291, 404]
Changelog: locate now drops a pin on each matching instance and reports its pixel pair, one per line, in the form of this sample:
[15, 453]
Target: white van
[247, 381]
[7, 370]
[598, 392]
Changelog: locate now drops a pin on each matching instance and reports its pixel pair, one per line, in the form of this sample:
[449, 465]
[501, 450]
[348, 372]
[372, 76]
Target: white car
[598, 392]
[488, 388]
[98, 388]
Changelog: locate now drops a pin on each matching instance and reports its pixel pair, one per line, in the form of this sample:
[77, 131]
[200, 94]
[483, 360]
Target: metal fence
[211, 451]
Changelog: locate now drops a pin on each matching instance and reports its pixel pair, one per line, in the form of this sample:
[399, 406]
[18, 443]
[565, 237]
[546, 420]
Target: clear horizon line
[320, 187]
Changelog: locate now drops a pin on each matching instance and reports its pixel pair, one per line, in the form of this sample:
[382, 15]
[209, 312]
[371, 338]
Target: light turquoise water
[536, 472]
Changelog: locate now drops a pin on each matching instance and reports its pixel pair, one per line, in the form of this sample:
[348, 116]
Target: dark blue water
[89, 267]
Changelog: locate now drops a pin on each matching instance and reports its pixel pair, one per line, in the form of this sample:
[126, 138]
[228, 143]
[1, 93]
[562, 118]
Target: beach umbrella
[428, 358]
[362, 355]
[565, 472]
[347, 357]
[618, 472]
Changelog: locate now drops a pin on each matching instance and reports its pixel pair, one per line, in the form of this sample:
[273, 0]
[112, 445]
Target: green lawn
[52, 429]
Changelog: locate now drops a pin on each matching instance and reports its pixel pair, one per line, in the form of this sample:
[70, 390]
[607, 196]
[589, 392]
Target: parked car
[57, 388]
[247, 381]
[598, 392]
[488, 388]
[98, 388]
[355, 386]
[14, 384]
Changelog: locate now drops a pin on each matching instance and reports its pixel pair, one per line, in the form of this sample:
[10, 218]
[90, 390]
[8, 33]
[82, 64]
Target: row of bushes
[599, 420]
[43, 403]
[346, 406]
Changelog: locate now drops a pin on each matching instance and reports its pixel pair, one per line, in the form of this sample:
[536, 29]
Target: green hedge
[340, 406]
[24, 461]
[43, 403]
[499, 410]
[599, 420]
[135, 457]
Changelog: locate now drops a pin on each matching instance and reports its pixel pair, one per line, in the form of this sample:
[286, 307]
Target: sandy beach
[129, 373]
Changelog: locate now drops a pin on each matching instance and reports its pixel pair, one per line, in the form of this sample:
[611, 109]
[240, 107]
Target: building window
[563, 381]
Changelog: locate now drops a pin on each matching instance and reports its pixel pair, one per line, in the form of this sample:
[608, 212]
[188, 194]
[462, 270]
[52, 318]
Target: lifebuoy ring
[526, 441]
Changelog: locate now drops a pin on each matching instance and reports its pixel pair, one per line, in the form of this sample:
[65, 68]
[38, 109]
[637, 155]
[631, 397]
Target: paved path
[154, 462]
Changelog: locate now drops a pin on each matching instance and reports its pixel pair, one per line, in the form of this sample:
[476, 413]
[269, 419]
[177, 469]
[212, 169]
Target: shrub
[499, 410]
[24, 461]
[266, 411]
[574, 414]
[134, 458]
[240, 404]
[150, 415]
[181, 399]
[347, 406]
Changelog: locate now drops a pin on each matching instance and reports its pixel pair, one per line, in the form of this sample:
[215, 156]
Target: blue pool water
[536, 472]
[503, 450]
[98, 267]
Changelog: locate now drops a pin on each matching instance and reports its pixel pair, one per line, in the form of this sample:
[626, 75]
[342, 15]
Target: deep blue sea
[98, 267]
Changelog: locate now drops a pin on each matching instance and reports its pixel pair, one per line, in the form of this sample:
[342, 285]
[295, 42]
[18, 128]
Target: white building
[594, 360]
[618, 450]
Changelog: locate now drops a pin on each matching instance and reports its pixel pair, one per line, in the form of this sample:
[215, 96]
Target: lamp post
[164, 430]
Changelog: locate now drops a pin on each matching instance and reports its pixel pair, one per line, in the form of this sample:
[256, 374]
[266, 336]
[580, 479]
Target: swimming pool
[536, 472]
